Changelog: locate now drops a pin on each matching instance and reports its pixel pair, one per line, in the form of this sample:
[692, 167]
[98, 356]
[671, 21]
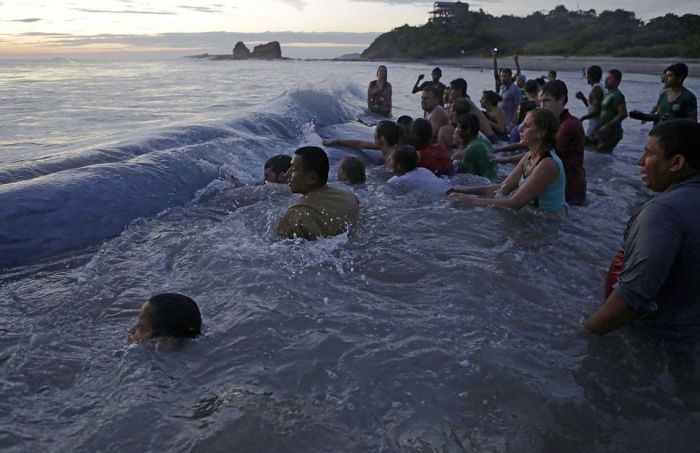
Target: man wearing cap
[436, 74]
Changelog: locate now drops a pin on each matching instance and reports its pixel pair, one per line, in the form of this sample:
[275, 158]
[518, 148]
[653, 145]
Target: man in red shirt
[570, 140]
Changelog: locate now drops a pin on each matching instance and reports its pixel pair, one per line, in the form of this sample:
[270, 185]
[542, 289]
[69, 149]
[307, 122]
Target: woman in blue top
[538, 179]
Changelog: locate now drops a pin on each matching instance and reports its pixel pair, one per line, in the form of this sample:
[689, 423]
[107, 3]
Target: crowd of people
[653, 273]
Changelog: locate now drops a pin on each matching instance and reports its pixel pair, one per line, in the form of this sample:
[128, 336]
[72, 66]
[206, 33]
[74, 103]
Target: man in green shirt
[613, 111]
[675, 101]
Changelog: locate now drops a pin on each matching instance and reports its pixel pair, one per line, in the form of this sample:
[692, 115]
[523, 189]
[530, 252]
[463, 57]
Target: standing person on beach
[654, 276]
[613, 112]
[435, 82]
[594, 74]
[434, 112]
[570, 140]
[321, 210]
[675, 100]
[379, 94]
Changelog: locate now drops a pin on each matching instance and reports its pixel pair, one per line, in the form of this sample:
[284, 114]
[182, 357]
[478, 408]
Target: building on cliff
[449, 13]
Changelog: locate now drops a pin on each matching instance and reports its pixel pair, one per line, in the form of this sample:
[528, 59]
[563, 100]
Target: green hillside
[559, 32]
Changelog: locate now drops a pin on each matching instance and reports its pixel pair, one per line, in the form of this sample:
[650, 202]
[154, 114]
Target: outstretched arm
[415, 86]
[495, 71]
[357, 144]
[517, 68]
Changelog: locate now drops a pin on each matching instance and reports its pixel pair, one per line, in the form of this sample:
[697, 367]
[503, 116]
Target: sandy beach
[541, 64]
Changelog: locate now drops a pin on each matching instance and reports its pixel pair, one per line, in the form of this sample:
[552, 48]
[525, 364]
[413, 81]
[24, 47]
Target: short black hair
[406, 156]
[175, 315]
[616, 74]
[557, 89]
[470, 122]
[531, 86]
[680, 69]
[404, 122]
[437, 71]
[460, 84]
[492, 97]
[389, 130]
[354, 168]
[680, 136]
[279, 163]
[314, 159]
[524, 107]
[595, 72]
[461, 106]
[508, 71]
[421, 132]
[553, 72]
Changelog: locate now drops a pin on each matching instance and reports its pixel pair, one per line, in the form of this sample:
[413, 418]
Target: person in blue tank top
[538, 180]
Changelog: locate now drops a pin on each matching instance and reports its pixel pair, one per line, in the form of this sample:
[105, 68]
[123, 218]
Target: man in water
[321, 210]
[435, 83]
[167, 315]
[594, 74]
[410, 176]
[613, 111]
[511, 98]
[386, 135]
[434, 112]
[655, 273]
[675, 100]
[570, 141]
[276, 167]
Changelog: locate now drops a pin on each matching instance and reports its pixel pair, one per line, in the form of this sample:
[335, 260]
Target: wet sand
[540, 64]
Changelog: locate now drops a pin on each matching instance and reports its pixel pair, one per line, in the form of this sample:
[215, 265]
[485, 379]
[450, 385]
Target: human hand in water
[462, 198]
[579, 95]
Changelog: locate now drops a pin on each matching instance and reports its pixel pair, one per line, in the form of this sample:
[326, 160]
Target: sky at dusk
[106, 26]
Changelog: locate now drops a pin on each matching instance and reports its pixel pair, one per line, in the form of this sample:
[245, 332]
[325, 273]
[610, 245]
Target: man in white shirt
[409, 176]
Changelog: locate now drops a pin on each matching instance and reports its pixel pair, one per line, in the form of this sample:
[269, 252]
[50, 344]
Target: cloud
[31, 19]
[298, 4]
[203, 9]
[127, 11]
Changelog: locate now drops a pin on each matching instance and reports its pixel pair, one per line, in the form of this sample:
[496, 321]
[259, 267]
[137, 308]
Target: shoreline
[650, 66]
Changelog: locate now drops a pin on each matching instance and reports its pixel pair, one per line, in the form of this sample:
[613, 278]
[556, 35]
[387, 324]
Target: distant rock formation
[269, 51]
[240, 51]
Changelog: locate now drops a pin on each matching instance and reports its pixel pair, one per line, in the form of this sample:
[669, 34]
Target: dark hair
[404, 122]
[557, 89]
[525, 107]
[552, 72]
[679, 69]
[461, 106]
[492, 97]
[433, 90]
[546, 123]
[468, 122]
[354, 168]
[460, 84]
[508, 71]
[175, 315]
[531, 86]
[437, 71]
[595, 72]
[421, 132]
[279, 163]
[616, 74]
[314, 159]
[389, 131]
[406, 156]
[680, 136]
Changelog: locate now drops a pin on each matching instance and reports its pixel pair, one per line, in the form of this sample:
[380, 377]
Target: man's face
[655, 168]
[520, 82]
[143, 330]
[271, 176]
[610, 82]
[505, 78]
[300, 181]
[436, 76]
[671, 79]
[549, 102]
[428, 101]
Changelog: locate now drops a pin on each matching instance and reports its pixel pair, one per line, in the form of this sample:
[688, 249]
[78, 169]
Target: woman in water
[379, 94]
[537, 180]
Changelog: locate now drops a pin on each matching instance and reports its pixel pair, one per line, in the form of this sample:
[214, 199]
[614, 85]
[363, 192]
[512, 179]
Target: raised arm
[495, 70]
[517, 68]
[416, 89]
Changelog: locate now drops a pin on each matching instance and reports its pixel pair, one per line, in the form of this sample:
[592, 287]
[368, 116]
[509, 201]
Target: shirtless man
[434, 112]
[594, 74]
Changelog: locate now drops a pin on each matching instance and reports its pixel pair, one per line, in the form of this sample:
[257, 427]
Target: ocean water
[429, 327]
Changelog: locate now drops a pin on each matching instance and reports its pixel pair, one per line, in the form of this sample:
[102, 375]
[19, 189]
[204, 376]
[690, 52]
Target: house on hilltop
[449, 13]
